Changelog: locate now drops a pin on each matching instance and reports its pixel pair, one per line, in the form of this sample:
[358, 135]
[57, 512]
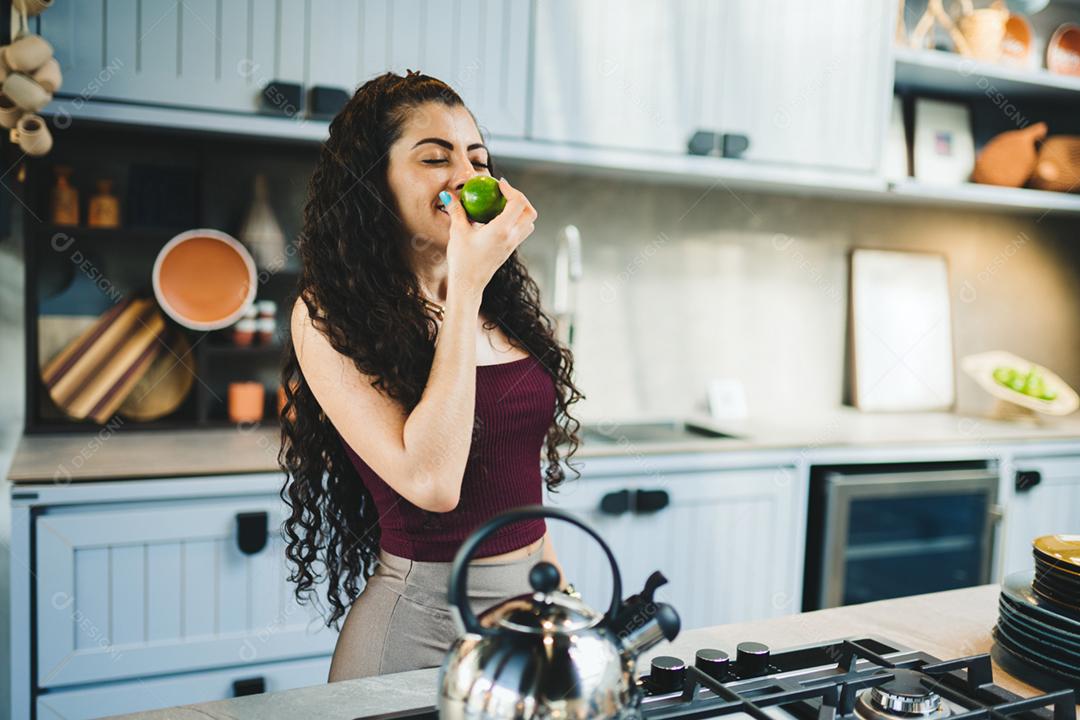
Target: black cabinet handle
[249, 686]
[1027, 479]
[615, 503]
[251, 531]
[650, 501]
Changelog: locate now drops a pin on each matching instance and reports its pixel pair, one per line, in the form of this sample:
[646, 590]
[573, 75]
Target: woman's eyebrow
[445, 144]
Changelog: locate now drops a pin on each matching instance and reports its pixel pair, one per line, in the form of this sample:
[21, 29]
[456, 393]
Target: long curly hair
[362, 295]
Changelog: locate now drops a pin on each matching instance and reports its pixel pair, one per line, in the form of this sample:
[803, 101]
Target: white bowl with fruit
[1012, 379]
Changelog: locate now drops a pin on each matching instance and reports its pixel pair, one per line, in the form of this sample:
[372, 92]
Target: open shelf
[940, 72]
[989, 197]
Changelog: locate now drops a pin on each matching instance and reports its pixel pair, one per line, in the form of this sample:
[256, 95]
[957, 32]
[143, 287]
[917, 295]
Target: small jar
[250, 312]
[265, 328]
[247, 402]
[266, 309]
[244, 332]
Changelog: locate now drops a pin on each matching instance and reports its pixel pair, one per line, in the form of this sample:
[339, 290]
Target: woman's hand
[475, 251]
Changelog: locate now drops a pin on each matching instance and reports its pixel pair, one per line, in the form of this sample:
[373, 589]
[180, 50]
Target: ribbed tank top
[515, 405]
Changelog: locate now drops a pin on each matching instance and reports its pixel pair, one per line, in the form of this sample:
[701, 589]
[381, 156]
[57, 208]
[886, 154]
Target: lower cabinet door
[1047, 502]
[155, 693]
[730, 542]
[130, 590]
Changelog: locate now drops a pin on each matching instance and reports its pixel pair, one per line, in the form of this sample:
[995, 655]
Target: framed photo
[944, 151]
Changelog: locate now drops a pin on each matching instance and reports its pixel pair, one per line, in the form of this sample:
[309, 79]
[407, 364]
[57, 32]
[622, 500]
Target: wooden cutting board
[95, 372]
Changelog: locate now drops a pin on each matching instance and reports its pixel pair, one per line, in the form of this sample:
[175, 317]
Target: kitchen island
[949, 625]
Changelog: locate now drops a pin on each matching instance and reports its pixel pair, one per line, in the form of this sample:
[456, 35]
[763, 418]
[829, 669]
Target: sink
[662, 431]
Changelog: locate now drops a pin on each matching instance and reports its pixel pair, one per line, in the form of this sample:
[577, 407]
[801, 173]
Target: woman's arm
[421, 455]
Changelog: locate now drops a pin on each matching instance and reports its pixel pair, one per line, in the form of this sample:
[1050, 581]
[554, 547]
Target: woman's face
[439, 149]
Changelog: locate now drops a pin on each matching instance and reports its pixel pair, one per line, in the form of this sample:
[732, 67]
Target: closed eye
[442, 161]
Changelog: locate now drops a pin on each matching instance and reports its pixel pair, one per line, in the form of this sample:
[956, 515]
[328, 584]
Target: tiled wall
[686, 284]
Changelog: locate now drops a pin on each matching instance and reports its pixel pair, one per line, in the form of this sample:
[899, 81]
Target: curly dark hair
[362, 295]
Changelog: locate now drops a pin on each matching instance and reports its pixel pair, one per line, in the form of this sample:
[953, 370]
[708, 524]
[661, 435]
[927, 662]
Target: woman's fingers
[454, 208]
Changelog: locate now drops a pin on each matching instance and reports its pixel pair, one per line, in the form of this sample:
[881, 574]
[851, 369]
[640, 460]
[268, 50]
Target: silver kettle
[545, 654]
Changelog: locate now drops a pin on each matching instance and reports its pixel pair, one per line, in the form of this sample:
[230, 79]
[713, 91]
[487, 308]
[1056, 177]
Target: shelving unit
[124, 256]
[937, 71]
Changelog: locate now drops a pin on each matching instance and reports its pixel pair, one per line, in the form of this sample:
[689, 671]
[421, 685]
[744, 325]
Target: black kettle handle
[458, 591]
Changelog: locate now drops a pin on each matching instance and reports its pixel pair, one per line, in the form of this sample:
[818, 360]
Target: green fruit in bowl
[482, 198]
[1031, 383]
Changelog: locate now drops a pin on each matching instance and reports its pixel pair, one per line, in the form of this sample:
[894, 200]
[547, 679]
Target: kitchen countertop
[951, 625]
[133, 454]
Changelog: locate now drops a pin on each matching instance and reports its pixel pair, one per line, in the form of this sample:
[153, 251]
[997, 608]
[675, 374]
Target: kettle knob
[544, 577]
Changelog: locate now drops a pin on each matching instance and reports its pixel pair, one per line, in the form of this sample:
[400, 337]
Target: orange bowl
[204, 279]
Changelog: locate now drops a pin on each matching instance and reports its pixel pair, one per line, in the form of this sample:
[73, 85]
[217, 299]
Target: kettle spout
[663, 625]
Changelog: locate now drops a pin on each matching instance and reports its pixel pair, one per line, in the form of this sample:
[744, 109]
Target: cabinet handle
[251, 531]
[249, 686]
[1027, 479]
[615, 503]
[650, 501]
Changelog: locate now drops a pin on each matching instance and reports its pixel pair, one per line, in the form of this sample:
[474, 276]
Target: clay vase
[261, 232]
[1009, 158]
[1058, 165]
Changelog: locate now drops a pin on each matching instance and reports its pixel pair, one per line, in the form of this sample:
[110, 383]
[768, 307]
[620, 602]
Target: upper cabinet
[219, 54]
[807, 83]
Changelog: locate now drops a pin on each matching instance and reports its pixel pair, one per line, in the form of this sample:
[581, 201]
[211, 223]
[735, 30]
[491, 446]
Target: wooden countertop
[949, 625]
[144, 454]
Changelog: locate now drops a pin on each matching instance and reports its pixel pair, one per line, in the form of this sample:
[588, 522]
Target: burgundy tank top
[515, 405]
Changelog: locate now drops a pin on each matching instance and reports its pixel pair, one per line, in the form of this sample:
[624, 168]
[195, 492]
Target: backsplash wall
[686, 284]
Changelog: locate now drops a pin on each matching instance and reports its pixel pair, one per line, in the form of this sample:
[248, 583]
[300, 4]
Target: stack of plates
[1057, 570]
[1039, 632]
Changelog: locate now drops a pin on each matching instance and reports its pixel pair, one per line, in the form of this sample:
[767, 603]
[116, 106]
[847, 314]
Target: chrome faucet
[567, 276]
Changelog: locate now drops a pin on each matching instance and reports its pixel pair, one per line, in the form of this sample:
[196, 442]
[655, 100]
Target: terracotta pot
[1063, 50]
[247, 401]
[32, 7]
[1009, 158]
[49, 76]
[33, 135]
[9, 112]
[25, 92]
[28, 53]
[1058, 164]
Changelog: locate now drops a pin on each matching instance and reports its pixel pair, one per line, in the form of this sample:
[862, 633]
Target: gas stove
[867, 678]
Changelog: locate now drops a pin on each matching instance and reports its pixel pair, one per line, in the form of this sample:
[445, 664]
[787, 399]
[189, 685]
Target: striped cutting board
[93, 374]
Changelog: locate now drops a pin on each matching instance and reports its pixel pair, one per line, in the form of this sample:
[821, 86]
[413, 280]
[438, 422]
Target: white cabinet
[155, 693]
[729, 541]
[134, 594]
[135, 589]
[1050, 505]
[219, 55]
[807, 83]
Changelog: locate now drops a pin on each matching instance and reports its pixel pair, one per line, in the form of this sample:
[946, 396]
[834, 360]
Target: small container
[251, 312]
[265, 328]
[244, 332]
[266, 309]
[247, 401]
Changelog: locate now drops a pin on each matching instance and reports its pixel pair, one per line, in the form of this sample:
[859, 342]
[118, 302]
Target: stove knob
[667, 674]
[752, 659]
[713, 663]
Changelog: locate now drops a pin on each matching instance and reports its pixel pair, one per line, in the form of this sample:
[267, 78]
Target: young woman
[423, 380]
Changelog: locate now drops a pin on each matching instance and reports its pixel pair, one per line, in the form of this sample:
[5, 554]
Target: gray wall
[685, 284]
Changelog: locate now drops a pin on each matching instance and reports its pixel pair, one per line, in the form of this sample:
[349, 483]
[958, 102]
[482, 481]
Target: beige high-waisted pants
[401, 621]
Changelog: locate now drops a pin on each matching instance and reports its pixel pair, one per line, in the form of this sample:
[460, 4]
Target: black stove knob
[667, 674]
[713, 663]
[752, 659]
